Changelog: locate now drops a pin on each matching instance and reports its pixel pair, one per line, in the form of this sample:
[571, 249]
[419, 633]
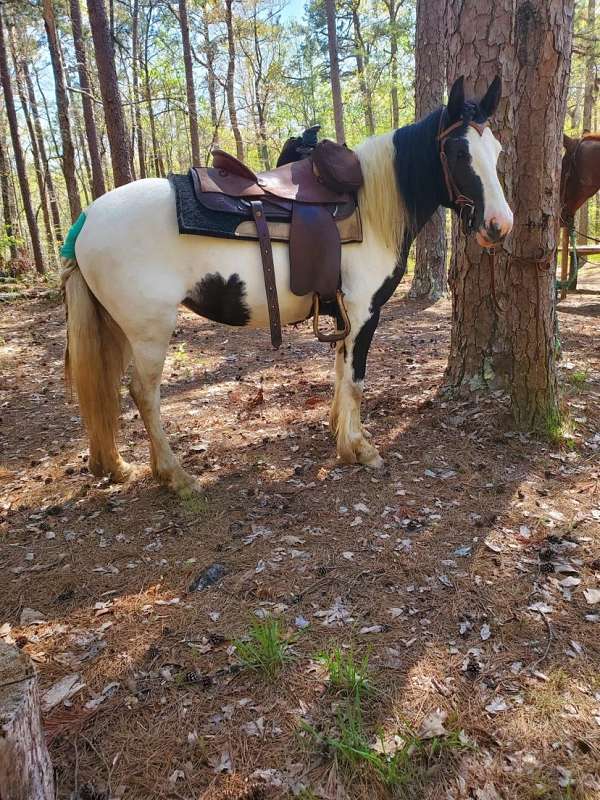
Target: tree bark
[477, 358]
[430, 79]
[5, 195]
[230, 85]
[39, 173]
[18, 153]
[510, 343]
[62, 106]
[91, 134]
[334, 72]
[361, 64]
[189, 82]
[543, 36]
[48, 180]
[25, 768]
[116, 128]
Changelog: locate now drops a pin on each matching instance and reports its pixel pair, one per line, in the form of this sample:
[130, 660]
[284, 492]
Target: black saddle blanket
[196, 219]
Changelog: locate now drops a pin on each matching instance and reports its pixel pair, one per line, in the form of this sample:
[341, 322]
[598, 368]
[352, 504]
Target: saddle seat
[310, 203]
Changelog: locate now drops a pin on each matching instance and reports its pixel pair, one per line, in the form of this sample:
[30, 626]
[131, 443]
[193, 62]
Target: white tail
[95, 359]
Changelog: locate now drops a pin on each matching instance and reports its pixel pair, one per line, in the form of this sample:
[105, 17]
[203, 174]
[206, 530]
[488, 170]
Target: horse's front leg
[351, 361]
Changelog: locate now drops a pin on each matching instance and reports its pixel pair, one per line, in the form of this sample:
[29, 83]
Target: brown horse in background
[580, 176]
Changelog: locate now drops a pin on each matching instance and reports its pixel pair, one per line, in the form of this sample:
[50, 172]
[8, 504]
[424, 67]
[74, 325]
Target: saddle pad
[196, 219]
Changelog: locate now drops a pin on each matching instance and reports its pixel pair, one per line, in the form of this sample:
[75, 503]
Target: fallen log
[25, 768]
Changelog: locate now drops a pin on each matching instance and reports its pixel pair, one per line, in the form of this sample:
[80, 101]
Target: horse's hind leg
[148, 361]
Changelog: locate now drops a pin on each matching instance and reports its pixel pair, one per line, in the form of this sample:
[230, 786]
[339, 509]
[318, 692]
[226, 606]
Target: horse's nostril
[493, 232]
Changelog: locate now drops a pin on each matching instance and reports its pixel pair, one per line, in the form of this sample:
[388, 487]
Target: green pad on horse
[68, 248]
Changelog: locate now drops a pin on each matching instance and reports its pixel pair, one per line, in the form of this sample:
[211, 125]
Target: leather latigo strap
[266, 254]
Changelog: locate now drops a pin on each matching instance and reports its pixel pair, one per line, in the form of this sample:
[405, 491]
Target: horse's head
[469, 153]
[580, 174]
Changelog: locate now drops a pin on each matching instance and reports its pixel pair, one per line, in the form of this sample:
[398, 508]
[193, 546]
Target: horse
[580, 174]
[132, 269]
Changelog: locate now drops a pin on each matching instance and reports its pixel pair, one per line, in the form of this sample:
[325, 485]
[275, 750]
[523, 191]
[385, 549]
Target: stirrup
[337, 335]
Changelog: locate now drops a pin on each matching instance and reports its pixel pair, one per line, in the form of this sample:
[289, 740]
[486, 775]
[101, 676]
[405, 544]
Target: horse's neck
[419, 170]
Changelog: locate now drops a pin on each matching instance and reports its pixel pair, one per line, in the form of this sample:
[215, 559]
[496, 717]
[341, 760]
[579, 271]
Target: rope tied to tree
[543, 264]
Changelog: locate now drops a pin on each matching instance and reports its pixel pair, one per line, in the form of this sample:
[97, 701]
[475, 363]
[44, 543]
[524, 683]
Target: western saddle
[311, 204]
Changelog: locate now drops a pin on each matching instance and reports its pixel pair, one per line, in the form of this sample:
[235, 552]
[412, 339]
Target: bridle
[463, 204]
[460, 201]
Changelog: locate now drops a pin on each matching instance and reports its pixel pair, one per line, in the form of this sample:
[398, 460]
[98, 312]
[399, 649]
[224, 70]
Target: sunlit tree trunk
[189, 81]
[91, 134]
[135, 69]
[18, 152]
[48, 180]
[230, 85]
[430, 80]
[62, 105]
[116, 128]
[210, 55]
[334, 72]
[392, 8]
[361, 64]
[39, 172]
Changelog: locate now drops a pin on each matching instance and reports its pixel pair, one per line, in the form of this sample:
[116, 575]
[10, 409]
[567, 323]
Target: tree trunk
[25, 768]
[156, 158]
[116, 128]
[210, 55]
[230, 86]
[430, 80]
[135, 67]
[189, 82]
[589, 97]
[62, 106]
[48, 180]
[477, 359]
[392, 8]
[543, 33]
[18, 153]
[5, 194]
[361, 63]
[39, 173]
[91, 134]
[334, 73]
[512, 345]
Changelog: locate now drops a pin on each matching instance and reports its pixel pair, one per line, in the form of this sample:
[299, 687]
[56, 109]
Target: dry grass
[454, 539]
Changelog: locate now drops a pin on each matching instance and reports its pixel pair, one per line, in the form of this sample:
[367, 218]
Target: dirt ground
[468, 571]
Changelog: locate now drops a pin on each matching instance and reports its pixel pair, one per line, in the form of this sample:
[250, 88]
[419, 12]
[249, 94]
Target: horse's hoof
[375, 462]
[123, 472]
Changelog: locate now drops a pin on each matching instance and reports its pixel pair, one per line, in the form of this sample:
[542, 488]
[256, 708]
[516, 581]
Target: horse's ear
[569, 143]
[456, 100]
[489, 103]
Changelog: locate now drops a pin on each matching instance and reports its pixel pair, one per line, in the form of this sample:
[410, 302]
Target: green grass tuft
[578, 379]
[266, 649]
[345, 673]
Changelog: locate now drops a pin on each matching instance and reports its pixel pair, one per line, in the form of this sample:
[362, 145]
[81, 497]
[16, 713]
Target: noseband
[460, 201]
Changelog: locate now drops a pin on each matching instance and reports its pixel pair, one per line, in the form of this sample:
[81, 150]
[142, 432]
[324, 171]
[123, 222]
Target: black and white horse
[133, 270]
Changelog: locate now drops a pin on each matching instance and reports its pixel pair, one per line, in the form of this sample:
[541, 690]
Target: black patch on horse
[219, 300]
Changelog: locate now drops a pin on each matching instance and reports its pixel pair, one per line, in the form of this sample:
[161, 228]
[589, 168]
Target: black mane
[418, 170]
